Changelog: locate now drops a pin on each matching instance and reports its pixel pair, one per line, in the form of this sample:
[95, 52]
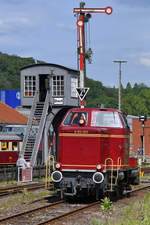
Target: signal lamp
[142, 118]
[88, 16]
[98, 167]
[57, 165]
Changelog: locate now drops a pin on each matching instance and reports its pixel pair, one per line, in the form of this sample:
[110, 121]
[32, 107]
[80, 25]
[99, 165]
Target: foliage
[25, 193]
[96, 222]
[106, 204]
[136, 213]
[25, 198]
[135, 100]
[10, 66]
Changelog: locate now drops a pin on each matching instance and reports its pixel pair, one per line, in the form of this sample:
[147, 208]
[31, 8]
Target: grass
[25, 198]
[137, 213]
[7, 183]
[146, 176]
[11, 182]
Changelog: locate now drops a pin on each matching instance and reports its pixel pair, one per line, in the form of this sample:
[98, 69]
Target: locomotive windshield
[105, 119]
[74, 118]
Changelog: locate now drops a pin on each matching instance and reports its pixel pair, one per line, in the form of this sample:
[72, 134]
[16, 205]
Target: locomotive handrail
[53, 160]
[111, 178]
[105, 165]
[47, 175]
[48, 169]
[118, 167]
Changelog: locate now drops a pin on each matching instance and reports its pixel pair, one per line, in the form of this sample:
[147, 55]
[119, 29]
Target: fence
[9, 174]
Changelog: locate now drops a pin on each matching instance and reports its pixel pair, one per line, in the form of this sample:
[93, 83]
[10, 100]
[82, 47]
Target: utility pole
[84, 16]
[119, 88]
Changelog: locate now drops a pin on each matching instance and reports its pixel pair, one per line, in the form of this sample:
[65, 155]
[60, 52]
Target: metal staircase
[35, 129]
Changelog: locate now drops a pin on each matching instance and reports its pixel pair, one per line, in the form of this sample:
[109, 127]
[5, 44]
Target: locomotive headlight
[57, 165]
[98, 167]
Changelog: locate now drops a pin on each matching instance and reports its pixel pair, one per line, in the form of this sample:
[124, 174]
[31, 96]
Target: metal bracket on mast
[81, 24]
[108, 10]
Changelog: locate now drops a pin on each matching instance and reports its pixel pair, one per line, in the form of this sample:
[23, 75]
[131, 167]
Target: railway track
[145, 169]
[34, 186]
[54, 212]
[20, 188]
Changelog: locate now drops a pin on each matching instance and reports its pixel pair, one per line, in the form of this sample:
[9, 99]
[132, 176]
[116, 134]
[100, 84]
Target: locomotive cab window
[76, 119]
[124, 120]
[105, 119]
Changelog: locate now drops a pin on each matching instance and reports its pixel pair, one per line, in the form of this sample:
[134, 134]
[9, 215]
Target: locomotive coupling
[56, 176]
[98, 177]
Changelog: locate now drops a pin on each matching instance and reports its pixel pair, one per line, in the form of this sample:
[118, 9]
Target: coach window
[57, 86]
[29, 86]
[14, 146]
[4, 145]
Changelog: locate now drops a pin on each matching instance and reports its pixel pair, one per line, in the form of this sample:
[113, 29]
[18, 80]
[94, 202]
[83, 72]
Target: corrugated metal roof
[10, 137]
[9, 115]
[50, 64]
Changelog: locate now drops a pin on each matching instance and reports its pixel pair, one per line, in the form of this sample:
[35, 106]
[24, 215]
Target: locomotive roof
[94, 109]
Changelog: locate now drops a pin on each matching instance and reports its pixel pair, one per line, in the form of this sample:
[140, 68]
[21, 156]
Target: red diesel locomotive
[93, 154]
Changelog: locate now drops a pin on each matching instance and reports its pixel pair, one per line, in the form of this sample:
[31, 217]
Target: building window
[29, 86]
[57, 86]
[74, 85]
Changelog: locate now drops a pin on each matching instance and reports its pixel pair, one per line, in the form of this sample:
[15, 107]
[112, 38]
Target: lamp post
[143, 120]
[119, 89]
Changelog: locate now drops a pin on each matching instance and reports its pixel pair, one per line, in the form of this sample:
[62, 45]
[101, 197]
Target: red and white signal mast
[83, 17]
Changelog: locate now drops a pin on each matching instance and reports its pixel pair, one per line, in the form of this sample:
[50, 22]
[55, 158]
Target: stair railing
[29, 124]
[40, 130]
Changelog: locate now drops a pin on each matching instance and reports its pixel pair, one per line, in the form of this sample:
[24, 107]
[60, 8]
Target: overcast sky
[46, 30]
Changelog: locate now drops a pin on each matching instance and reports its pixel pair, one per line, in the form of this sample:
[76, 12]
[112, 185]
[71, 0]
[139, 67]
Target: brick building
[138, 131]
